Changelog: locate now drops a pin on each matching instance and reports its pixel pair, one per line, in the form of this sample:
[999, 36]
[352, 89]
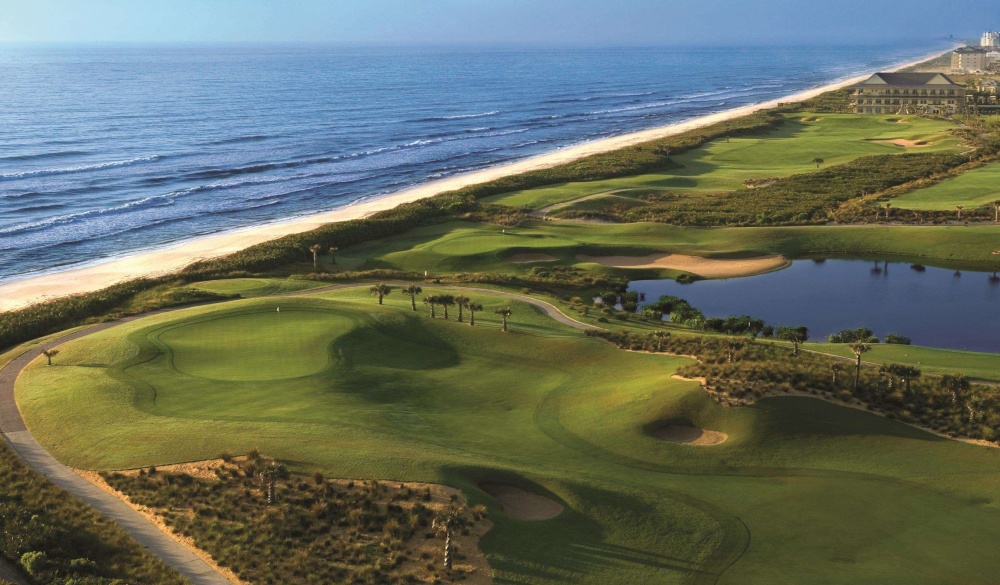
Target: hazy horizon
[579, 23]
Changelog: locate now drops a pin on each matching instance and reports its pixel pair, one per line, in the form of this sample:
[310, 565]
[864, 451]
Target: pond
[935, 307]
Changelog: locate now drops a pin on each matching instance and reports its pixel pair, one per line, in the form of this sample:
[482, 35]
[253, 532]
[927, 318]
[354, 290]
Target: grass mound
[265, 344]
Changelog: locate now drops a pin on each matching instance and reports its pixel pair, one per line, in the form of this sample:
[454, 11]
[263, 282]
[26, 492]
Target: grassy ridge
[469, 247]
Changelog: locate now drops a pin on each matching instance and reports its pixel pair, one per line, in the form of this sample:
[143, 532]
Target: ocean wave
[41, 207]
[238, 139]
[76, 169]
[146, 202]
[44, 155]
[457, 117]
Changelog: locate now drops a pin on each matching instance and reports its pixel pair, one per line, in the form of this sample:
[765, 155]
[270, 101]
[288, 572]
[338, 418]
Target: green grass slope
[471, 247]
[971, 189]
[803, 491]
[724, 165]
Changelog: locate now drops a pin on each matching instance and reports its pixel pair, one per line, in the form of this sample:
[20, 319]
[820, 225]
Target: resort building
[970, 60]
[990, 39]
[908, 93]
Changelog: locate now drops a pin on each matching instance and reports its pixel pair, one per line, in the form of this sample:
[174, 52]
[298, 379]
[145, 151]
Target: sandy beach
[34, 289]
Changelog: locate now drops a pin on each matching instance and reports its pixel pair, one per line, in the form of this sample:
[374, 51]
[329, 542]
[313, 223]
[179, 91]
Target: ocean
[106, 151]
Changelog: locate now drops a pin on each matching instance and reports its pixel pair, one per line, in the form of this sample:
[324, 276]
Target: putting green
[242, 346]
[802, 491]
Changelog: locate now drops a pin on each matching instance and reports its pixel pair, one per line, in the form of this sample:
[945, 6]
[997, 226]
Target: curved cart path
[143, 531]
[37, 458]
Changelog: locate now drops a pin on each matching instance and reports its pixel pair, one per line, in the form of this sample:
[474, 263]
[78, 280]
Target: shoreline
[31, 290]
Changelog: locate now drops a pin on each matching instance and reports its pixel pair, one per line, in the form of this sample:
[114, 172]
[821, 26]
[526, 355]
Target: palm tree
[380, 290]
[906, 372]
[462, 302]
[859, 348]
[796, 335]
[957, 386]
[431, 301]
[447, 522]
[473, 307]
[835, 370]
[270, 475]
[504, 313]
[959, 208]
[50, 353]
[412, 291]
[818, 161]
[733, 345]
[446, 301]
[333, 252]
[315, 248]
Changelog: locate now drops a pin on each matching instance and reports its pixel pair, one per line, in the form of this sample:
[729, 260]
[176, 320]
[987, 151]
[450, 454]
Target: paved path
[27, 448]
[145, 532]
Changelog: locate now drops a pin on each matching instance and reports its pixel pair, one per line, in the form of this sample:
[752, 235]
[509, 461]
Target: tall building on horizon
[990, 39]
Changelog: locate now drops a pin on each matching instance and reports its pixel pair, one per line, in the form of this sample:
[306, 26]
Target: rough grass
[803, 491]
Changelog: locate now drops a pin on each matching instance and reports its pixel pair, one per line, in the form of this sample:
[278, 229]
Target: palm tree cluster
[462, 302]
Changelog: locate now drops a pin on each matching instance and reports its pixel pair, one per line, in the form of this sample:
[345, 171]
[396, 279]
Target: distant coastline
[164, 260]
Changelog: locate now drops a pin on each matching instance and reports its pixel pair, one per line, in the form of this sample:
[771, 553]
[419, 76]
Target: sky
[516, 22]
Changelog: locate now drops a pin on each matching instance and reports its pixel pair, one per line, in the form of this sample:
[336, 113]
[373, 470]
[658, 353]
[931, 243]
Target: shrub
[897, 339]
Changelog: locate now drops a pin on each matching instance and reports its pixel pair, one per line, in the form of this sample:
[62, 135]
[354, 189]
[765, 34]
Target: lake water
[108, 150]
[935, 307]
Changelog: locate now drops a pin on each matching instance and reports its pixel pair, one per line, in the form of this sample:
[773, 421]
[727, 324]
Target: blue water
[935, 307]
[105, 151]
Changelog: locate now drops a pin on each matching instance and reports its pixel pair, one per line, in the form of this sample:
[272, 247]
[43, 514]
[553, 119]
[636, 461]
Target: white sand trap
[689, 435]
[906, 143]
[706, 267]
[522, 504]
[529, 257]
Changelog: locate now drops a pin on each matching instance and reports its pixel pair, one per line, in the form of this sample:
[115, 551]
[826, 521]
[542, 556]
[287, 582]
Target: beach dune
[35, 289]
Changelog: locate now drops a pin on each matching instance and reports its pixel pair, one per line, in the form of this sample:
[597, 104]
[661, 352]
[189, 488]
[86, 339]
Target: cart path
[37, 458]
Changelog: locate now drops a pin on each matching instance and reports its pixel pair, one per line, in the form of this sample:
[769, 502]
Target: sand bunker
[522, 504]
[529, 257]
[905, 143]
[689, 435]
[706, 267]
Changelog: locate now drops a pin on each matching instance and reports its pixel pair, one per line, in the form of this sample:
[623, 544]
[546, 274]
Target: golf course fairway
[800, 491]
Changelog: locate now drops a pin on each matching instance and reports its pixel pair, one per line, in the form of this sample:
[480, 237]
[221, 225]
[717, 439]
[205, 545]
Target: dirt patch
[905, 143]
[688, 435]
[522, 504]
[529, 257]
[705, 267]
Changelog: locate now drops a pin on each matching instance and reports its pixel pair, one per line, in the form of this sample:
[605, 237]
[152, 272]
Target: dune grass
[724, 165]
[970, 189]
[802, 491]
